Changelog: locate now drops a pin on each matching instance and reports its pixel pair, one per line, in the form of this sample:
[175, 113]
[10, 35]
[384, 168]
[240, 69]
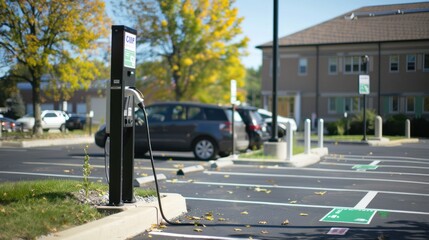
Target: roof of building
[384, 23]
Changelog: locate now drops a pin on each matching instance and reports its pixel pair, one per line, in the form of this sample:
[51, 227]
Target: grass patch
[19, 136]
[29, 209]
[297, 149]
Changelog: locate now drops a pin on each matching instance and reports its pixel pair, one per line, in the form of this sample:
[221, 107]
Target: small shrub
[395, 125]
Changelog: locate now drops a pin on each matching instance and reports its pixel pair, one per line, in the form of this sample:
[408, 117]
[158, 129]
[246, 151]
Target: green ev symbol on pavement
[349, 215]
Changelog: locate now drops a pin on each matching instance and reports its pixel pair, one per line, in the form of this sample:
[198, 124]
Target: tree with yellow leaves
[196, 44]
[50, 38]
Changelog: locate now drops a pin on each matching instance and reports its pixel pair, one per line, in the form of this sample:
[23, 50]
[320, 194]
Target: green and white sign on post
[364, 84]
[130, 50]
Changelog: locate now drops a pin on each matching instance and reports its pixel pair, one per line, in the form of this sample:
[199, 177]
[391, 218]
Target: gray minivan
[182, 126]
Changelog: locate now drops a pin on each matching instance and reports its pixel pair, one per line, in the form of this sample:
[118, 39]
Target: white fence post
[378, 128]
[407, 129]
[307, 136]
[320, 132]
[289, 141]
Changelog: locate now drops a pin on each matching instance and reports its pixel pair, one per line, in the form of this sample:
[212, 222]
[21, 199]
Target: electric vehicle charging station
[121, 98]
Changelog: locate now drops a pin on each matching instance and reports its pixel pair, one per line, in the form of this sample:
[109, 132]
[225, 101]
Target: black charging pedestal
[121, 126]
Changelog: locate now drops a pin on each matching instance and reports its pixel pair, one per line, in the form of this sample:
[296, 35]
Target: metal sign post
[121, 117]
[233, 102]
[364, 90]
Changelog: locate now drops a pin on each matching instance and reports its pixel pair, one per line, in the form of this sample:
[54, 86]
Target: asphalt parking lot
[356, 192]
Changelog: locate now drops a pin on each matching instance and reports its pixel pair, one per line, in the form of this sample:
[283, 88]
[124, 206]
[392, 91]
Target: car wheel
[63, 128]
[205, 149]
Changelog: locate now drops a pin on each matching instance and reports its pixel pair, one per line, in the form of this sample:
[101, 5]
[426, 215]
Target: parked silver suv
[51, 119]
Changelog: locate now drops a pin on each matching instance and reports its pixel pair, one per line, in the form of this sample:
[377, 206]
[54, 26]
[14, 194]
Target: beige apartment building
[319, 67]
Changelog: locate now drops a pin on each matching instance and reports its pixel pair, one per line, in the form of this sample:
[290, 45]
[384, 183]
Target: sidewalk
[28, 143]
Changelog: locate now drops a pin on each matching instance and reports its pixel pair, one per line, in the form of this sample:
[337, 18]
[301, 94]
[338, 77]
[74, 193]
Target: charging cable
[139, 98]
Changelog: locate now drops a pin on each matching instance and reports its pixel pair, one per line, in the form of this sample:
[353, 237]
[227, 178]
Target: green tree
[50, 37]
[253, 86]
[193, 46]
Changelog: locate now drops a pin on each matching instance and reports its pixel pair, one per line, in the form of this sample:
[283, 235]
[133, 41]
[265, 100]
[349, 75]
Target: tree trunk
[37, 129]
[177, 90]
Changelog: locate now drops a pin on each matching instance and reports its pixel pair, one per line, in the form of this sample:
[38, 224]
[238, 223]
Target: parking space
[361, 194]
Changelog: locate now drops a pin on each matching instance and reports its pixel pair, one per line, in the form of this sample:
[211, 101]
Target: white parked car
[281, 121]
[51, 119]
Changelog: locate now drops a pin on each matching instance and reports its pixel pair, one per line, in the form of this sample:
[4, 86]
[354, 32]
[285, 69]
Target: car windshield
[29, 115]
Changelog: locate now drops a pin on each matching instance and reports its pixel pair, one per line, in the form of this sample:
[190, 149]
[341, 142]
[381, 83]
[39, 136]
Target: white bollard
[307, 136]
[320, 133]
[378, 128]
[289, 141]
[407, 129]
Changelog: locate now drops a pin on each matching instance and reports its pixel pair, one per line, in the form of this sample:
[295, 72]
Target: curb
[138, 182]
[222, 162]
[47, 142]
[134, 220]
[196, 168]
[298, 160]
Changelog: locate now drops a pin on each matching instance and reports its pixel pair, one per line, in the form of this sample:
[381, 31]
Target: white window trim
[390, 105]
[406, 105]
[336, 65]
[415, 63]
[352, 110]
[424, 62]
[299, 67]
[390, 63]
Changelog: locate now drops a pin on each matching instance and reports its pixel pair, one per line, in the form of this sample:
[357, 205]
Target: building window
[302, 69]
[394, 63]
[394, 104]
[411, 63]
[353, 64]
[351, 104]
[410, 104]
[332, 105]
[426, 104]
[426, 63]
[333, 63]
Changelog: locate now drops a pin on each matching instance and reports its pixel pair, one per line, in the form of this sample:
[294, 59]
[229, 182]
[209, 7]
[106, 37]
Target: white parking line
[384, 166]
[366, 159]
[188, 236]
[375, 163]
[333, 170]
[46, 175]
[312, 177]
[374, 157]
[92, 165]
[300, 188]
[364, 202]
[297, 205]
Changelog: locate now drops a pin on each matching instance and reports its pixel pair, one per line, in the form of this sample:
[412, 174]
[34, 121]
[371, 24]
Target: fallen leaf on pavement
[293, 202]
[285, 222]
[264, 232]
[262, 222]
[303, 214]
[244, 213]
[237, 229]
[198, 230]
[320, 193]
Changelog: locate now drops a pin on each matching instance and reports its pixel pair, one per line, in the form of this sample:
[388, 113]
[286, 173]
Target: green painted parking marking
[365, 167]
[349, 215]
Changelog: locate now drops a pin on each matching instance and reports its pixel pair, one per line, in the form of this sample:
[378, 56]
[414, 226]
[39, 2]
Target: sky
[294, 16]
